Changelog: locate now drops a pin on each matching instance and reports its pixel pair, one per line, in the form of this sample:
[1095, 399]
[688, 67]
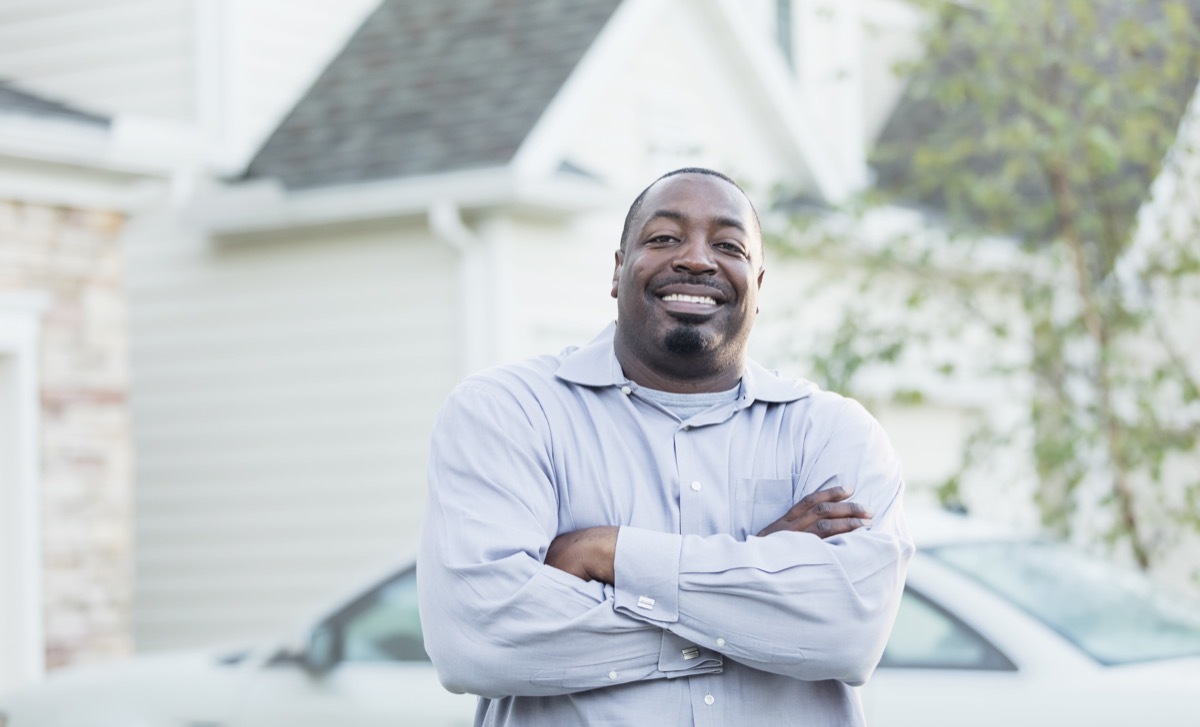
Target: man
[652, 527]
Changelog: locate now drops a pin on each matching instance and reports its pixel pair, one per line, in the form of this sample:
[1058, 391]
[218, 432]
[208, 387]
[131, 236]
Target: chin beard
[686, 341]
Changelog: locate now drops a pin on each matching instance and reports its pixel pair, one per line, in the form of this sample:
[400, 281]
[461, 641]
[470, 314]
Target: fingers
[827, 503]
[825, 513]
[836, 526]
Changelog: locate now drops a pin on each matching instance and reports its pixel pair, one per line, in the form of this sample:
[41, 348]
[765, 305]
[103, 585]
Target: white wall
[284, 391]
[113, 56]
[678, 94]
[264, 55]
[556, 282]
[228, 70]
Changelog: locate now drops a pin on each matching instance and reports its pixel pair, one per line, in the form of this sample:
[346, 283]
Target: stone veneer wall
[86, 469]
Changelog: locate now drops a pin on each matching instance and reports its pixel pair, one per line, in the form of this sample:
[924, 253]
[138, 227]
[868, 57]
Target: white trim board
[22, 636]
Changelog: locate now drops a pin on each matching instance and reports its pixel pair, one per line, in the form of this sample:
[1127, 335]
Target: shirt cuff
[679, 657]
[646, 574]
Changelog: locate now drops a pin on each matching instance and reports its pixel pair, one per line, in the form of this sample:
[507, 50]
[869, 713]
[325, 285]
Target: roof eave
[59, 161]
[264, 206]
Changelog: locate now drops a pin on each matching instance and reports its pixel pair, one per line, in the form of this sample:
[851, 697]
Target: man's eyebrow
[680, 217]
[730, 222]
[668, 214]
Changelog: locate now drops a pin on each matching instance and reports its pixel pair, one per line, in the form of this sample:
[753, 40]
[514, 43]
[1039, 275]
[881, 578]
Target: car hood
[145, 691]
[1166, 674]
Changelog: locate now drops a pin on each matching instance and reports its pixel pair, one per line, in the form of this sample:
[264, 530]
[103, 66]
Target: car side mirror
[320, 653]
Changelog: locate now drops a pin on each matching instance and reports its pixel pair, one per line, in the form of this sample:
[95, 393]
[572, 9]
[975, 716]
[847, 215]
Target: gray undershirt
[686, 406]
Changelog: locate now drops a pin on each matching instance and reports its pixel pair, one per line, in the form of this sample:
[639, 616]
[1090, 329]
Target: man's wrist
[602, 553]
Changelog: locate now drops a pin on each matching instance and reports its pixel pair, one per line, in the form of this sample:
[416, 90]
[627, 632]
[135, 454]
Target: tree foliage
[1046, 124]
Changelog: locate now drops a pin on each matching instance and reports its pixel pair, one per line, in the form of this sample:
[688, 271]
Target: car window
[383, 625]
[927, 637]
[1114, 614]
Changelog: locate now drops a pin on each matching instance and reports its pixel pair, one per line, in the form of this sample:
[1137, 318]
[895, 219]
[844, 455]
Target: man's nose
[695, 257]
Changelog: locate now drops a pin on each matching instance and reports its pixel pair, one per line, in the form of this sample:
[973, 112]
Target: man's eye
[732, 247]
[662, 239]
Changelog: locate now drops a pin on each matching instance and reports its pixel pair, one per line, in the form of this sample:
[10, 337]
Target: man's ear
[761, 273]
[619, 260]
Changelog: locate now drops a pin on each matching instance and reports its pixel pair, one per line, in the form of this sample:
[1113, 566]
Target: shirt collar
[595, 364]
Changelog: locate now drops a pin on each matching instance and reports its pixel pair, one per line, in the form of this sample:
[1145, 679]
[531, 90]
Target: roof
[427, 86]
[14, 100]
[921, 123]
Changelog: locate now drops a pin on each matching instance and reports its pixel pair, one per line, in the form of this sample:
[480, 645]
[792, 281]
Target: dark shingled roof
[13, 100]
[428, 86]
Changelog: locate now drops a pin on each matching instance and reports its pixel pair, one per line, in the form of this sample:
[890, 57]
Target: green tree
[1045, 123]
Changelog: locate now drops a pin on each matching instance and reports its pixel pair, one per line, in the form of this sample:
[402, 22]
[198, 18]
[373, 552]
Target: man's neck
[679, 374]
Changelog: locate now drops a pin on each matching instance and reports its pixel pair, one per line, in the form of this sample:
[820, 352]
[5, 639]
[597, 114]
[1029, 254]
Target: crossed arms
[511, 608]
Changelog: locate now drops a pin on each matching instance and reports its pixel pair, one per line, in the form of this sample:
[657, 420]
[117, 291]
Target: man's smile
[689, 304]
[690, 298]
[703, 299]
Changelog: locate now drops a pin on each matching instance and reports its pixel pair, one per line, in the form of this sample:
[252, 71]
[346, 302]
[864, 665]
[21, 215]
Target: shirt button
[612, 675]
[696, 486]
[708, 699]
[720, 642]
[626, 390]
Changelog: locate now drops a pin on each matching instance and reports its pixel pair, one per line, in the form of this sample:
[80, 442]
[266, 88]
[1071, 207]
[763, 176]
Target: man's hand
[822, 513]
[586, 554]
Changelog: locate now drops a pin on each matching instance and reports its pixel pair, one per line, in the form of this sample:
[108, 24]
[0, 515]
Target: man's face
[687, 281]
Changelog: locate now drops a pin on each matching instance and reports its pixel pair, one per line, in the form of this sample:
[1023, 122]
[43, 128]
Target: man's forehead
[703, 194]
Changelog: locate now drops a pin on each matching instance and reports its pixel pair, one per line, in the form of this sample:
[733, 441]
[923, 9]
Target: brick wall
[86, 476]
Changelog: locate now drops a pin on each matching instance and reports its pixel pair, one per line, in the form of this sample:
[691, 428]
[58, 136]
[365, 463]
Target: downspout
[475, 286]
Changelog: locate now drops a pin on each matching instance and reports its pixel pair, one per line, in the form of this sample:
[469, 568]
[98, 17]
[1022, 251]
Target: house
[66, 446]
[338, 210]
[106, 109]
[328, 255]
[446, 195]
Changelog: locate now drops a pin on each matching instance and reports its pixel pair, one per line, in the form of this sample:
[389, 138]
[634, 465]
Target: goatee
[685, 341]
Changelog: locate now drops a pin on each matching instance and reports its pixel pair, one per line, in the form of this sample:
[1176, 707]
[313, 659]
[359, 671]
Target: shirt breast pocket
[758, 502]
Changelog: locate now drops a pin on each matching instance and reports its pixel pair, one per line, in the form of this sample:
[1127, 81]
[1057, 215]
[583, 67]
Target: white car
[994, 629]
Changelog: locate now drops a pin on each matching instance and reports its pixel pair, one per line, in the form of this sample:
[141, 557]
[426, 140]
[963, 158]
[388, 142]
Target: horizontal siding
[144, 57]
[551, 312]
[282, 400]
[132, 56]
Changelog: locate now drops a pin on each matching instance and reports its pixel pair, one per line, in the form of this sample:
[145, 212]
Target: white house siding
[679, 96]
[285, 388]
[130, 56]
[232, 68]
[557, 281]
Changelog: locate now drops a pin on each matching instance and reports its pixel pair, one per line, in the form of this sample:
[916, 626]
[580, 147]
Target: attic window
[783, 29]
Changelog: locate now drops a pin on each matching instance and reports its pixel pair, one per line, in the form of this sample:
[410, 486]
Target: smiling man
[652, 526]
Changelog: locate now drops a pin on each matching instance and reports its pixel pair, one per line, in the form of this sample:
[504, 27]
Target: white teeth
[702, 299]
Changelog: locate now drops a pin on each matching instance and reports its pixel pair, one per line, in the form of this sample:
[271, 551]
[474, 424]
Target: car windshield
[1116, 615]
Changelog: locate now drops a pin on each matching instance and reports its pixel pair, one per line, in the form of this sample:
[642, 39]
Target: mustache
[703, 280]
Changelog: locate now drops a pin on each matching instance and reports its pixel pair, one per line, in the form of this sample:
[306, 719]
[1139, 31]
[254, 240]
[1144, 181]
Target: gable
[680, 94]
[671, 84]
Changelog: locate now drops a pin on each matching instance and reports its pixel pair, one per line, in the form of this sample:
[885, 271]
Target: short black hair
[637, 202]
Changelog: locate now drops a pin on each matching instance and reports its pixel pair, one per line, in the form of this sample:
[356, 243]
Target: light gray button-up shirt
[707, 624]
